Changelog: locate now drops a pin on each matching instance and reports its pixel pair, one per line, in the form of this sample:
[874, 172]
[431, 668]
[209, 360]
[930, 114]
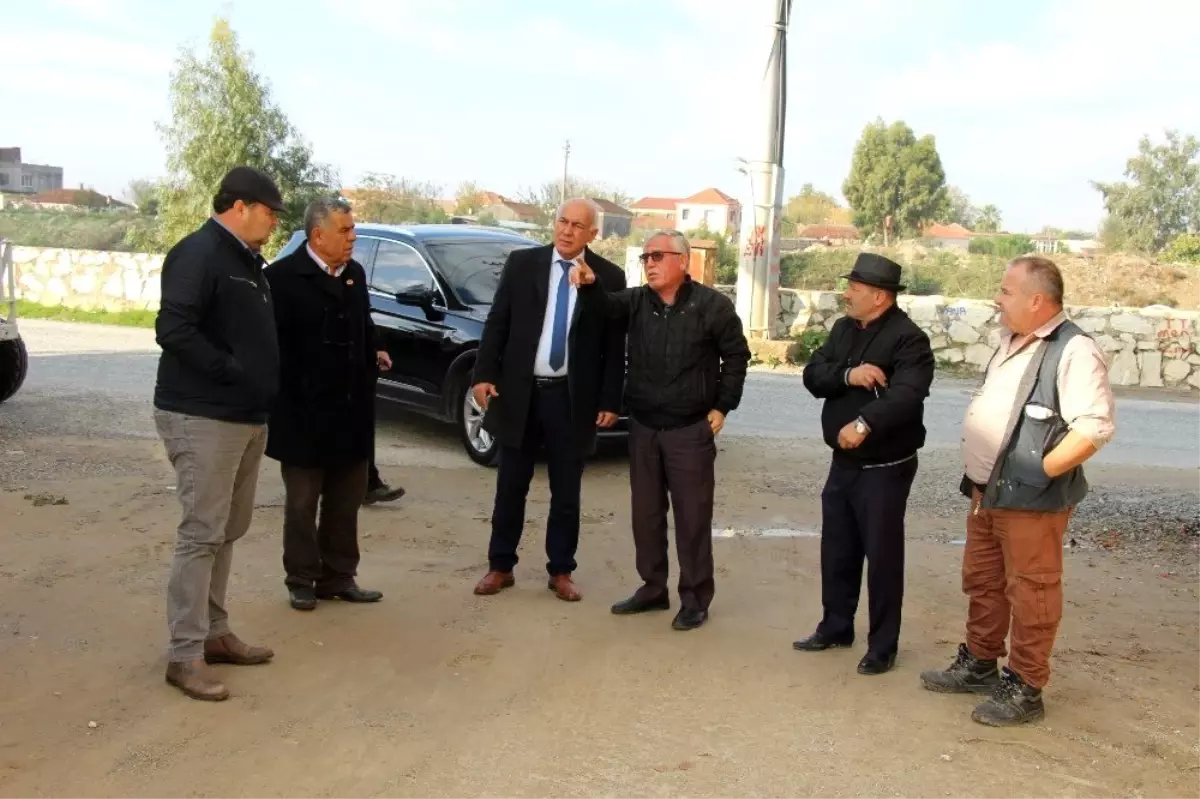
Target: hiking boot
[966, 675]
[1013, 702]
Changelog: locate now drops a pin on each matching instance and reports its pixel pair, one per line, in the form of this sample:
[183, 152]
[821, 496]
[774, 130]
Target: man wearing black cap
[874, 372]
[216, 383]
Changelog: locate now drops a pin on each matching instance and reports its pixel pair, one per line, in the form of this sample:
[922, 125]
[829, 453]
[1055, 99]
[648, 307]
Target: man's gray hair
[319, 210]
[679, 241]
[1045, 274]
[591, 205]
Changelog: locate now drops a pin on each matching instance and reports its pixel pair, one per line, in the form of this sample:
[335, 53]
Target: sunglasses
[656, 256]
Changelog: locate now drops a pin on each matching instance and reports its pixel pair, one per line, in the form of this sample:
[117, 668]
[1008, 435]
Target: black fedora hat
[877, 271]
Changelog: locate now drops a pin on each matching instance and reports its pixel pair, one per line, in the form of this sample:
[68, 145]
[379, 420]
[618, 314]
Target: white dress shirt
[541, 363]
[324, 266]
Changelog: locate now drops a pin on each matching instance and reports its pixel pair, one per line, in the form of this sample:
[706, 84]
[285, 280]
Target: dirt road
[436, 692]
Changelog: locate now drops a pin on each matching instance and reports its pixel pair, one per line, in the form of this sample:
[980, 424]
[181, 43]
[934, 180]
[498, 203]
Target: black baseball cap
[251, 185]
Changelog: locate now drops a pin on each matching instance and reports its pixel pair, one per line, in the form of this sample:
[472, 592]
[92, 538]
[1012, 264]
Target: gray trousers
[216, 467]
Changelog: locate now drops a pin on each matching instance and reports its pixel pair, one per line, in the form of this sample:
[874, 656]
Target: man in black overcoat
[550, 370]
[874, 373]
[322, 424]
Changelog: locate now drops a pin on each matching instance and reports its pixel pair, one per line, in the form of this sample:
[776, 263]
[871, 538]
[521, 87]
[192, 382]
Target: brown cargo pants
[1012, 572]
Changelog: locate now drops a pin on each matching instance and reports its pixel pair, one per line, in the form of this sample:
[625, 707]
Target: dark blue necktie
[558, 335]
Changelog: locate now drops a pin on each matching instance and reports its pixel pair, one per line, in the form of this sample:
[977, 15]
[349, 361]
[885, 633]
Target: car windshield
[473, 267]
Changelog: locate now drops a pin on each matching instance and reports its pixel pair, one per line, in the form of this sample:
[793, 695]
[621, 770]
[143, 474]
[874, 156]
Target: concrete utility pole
[758, 272]
[562, 192]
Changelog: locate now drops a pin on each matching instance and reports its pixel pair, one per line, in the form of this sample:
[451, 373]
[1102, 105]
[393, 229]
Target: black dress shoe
[302, 598]
[689, 618]
[637, 605]
[382, 493]
[819, 642]
[352, 594]
[873, 664]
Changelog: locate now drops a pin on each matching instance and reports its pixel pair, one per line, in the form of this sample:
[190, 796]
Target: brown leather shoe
[494, 583]
[231, 649]
[564, 588]
[196, 680]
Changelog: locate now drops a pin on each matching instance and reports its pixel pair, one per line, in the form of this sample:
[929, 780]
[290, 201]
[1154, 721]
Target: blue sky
[1029, 100]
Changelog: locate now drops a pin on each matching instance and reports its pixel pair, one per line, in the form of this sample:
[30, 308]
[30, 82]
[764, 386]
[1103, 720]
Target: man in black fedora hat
[874, 372]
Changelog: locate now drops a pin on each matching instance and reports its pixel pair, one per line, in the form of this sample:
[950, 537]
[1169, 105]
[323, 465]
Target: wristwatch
[861, 427]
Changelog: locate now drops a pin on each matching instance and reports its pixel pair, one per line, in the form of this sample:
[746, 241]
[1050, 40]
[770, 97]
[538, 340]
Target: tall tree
[989, 219]
[895, 174]
[222, 115]
[810, 207]
[959, 208]
[1160, 201]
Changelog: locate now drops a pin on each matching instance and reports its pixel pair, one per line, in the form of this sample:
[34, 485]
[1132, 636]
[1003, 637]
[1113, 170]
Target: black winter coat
[684, 360]
[324, 416]
[895, 344]
[508, 349]
[216, 328]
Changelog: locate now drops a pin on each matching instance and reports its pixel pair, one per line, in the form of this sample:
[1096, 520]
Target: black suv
[430, 288]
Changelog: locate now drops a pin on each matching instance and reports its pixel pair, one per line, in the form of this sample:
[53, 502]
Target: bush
[76, 230]
[807, 343]
[1009, 246]
[1185, 248]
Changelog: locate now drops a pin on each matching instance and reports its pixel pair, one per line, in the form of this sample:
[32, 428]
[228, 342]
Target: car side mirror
[419, 296]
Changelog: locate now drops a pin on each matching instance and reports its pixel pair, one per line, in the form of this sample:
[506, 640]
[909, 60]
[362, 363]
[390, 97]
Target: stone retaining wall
[1152, 347]
[1155, 346]
[88, 279]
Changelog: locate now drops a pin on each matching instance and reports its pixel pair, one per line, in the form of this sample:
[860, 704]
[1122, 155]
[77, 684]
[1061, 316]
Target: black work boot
[1013, 702]
[966, 675]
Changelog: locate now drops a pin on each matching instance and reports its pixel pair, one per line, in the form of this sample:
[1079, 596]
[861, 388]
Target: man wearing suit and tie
[550, 370]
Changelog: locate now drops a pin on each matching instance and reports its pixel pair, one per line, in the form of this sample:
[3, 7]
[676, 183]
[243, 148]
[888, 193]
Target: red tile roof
[710, 196]
[954, 231]
[655, 204]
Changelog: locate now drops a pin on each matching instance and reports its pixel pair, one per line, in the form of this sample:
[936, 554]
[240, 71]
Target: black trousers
[548, 424]
[322, 553]
[862, 516]
[673, 469]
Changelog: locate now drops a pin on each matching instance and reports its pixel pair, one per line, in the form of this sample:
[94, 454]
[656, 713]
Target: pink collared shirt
[1085, 396]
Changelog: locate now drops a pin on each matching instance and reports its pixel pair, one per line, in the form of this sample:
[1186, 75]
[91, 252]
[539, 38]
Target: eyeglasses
[656, 256]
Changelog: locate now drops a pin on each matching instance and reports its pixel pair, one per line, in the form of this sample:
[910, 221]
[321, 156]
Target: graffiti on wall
[1169, 338]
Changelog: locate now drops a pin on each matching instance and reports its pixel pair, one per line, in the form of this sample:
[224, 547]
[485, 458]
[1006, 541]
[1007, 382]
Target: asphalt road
[117, 365]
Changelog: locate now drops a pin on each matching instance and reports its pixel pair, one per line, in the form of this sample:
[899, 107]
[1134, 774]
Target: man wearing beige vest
[1044, 408]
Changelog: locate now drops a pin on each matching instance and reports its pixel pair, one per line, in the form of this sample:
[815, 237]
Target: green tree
[989, 219]
[1160, 201]
[895, 174]
[728, 255]
[144, 194]
[222, 116]
[810, 207]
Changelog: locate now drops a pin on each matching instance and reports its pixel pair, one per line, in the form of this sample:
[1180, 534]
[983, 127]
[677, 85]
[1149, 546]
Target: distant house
[663, 207]
[21, 178]
[832, 235]
[503, 209]
[613, 220]
[75, 199]
[947, 237]
[711, 208]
